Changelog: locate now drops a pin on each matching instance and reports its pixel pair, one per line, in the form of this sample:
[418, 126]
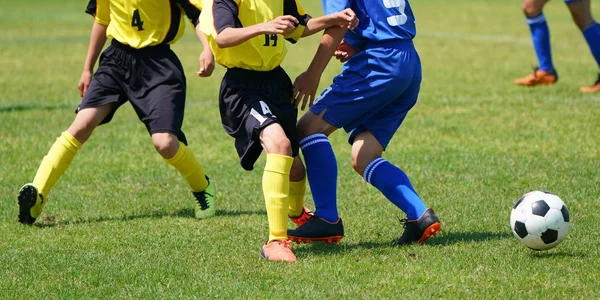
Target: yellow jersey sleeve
[293, 7]
[102, 14]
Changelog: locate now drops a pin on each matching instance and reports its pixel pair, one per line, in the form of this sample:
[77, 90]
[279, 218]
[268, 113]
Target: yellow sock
[276, 188]
[55, 163]
[297, 191]
[186, 163]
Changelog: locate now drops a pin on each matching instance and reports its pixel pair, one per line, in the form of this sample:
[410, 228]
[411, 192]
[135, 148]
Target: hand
[207, 63]
[346, 18]
[305, 88]
[281, 25]
[84, 82]
[344, 52]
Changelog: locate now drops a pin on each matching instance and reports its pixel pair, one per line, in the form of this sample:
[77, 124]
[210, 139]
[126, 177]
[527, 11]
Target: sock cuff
[313, 139]
[69, 141]
[369, 170]
[589, 27]
[279, 163]
[179, 155]
[536, 20]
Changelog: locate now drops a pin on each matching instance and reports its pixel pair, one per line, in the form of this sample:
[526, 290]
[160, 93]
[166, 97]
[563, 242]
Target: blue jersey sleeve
[333, 6]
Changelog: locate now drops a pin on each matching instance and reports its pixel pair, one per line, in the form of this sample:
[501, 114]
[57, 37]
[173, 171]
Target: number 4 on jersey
[136, 21]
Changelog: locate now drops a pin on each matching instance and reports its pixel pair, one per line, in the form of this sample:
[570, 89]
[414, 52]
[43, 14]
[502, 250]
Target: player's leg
[540, 35]
[97, 106]
[276, 185]
[161, 108]
[394, 184]
[256, 111]
[321, 165]
[582, 16]
[33, 196]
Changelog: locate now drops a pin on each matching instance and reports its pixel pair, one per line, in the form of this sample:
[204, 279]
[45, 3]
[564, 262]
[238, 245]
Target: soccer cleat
[278, 251]
[206, 202]
[31, 204]
[316, 229]
[538, 77]
[418, 231]
[593, 88]
[303, 218]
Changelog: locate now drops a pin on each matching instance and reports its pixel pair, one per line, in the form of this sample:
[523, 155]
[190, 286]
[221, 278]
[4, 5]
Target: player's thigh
[533, 8]
[384, 124]
[311, 123]
[159, 98]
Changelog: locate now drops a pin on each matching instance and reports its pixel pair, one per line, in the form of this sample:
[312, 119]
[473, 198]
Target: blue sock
[592, 36]
[395, 185]
[540, 34]
[321, 169]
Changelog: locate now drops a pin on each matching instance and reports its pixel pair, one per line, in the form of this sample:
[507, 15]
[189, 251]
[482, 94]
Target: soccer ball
[539, 220]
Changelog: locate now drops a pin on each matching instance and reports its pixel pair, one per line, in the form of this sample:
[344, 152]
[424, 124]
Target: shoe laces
[403, 222]
[202, 200]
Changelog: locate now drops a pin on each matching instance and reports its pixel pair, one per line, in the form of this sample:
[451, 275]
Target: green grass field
[119, 223]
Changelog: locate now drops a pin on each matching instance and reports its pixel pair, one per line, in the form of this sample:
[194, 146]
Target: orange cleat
[593, 88]
[278, 251]
[303, 218]
[538, 77]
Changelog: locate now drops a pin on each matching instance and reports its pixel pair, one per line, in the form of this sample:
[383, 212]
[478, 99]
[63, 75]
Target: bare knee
[311, 123]
[166, 144]
[365, 149]
[533, 8]
[274, 140]
[87, 120]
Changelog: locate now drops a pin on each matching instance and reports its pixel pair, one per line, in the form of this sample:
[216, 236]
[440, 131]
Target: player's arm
[207, 59]
[345, 18]
[230, 31]
[97, 41]
[305, 85]
[192, 9]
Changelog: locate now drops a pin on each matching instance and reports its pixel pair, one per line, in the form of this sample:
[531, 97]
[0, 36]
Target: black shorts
[151, 78]
[249, 101]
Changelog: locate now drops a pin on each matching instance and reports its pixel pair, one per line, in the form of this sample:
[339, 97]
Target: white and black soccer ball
[540, 220]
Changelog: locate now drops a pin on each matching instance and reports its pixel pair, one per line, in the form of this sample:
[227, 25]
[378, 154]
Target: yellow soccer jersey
[261, 53]
[142, 23]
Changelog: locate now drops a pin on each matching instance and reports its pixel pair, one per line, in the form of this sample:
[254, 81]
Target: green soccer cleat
[206, 202]
[31, 204]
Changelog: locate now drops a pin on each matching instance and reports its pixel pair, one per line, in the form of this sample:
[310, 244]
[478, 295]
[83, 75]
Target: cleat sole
[328, 240]
[26, 199]
[432, 230]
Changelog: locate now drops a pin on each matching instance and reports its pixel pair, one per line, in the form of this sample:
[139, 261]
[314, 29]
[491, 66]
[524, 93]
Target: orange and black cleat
[418, 231]
[303, 218]
[593, 88]
[316, 229]
[538, 77]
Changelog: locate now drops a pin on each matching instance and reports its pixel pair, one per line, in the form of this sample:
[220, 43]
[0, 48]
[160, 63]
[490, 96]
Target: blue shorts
[374, 92]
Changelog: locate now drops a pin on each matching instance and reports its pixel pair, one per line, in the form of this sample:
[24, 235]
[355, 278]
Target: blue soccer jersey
[395, 20]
